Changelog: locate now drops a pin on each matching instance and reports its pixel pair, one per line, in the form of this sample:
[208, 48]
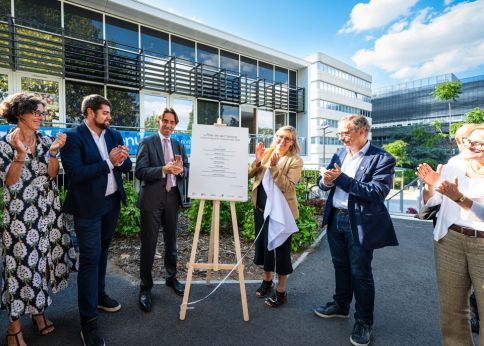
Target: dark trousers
[165, 216]
[352, 266]
[94, 237]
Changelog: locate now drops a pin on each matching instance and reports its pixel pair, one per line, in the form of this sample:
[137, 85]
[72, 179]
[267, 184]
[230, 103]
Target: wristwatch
[461, 199]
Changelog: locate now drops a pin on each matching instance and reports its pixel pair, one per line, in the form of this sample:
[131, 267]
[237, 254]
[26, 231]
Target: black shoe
[108, 304]
[145, 300]
[361, 334]
[264, 289]
[475, 325]
[90, 336]
[331, 310]
[277, 299]
[177, 286]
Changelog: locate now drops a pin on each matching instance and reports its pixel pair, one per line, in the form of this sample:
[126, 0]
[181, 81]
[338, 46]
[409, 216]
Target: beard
[102, 125]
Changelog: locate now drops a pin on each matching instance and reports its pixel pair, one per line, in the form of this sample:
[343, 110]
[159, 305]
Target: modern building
[336, 89]
[143, 58]
[412, 103]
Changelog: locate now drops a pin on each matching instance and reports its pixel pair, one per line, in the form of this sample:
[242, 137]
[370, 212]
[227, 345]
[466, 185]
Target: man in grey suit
[161, 166]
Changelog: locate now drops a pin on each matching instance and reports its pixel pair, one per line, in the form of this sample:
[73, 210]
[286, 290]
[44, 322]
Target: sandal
[276, 300]
[10, 335]
[264, 289]
[44, 331]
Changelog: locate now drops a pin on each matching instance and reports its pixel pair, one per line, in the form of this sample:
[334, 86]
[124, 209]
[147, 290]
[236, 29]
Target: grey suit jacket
[149, 163]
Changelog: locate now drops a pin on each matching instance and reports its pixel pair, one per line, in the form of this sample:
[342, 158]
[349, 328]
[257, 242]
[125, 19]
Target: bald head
[463, 132]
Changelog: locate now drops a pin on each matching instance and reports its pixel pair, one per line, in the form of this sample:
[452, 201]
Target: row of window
[340, 108]
[318, 122]
[89, 25]
[343, 75]
[325, 140]
[133, 109]
[341, 91]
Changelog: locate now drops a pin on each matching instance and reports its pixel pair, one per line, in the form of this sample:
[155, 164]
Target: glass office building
[412, 103]
[143, 59]
[335, 90]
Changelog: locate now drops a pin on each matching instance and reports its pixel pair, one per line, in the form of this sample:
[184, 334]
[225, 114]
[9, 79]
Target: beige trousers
[460, 265]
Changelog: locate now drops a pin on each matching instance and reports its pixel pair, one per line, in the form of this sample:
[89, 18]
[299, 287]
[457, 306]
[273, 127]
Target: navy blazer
[149, 162]
[88, 172]
[369, 218]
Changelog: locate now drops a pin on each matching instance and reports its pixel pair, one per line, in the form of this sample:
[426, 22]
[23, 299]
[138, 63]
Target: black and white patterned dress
[34, 235]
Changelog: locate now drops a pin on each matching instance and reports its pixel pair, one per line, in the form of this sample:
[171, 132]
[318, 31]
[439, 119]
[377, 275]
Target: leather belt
[470, 232]
[341, 210]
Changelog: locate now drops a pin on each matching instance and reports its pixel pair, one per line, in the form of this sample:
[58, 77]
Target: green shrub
[129, 215]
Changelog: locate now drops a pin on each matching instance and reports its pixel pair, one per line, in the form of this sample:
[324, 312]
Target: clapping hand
[275, 158]
[118, 155]
[449, 189]
[329, 175]
[259, 151]
[17, 143]
[59, 142]
[428, 175]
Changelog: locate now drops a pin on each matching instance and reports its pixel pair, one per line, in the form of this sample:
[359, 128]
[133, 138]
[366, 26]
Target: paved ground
[406, 311]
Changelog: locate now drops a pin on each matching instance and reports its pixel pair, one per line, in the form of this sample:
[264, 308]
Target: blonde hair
[293, 149]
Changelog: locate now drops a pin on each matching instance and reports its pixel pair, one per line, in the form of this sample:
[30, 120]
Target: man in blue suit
[359, 178]
[93, 158]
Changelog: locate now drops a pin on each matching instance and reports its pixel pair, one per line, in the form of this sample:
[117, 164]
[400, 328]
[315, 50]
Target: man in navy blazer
[359, 178]
[94, 157]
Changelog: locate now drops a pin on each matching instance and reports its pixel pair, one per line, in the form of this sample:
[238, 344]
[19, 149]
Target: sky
[392, 40]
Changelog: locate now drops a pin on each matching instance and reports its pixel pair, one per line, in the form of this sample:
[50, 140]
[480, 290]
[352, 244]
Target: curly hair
[19, 104]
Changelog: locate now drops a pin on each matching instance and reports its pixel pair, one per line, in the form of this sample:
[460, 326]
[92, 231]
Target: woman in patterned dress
[37, 250]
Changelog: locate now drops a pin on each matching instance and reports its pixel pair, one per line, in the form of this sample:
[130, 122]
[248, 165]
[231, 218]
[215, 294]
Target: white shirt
[112, 187]
[170, 153]
[349, 167]
[450, 212]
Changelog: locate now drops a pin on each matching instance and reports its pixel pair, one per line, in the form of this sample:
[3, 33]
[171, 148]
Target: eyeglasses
[283, 138]
[474, 144]
[345, 133]
[38, 114]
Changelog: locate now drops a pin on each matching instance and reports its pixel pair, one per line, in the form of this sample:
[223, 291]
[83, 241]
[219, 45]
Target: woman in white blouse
[459, 236]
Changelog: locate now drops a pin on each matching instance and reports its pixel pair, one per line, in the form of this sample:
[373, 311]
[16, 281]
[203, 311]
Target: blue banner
[131, 138]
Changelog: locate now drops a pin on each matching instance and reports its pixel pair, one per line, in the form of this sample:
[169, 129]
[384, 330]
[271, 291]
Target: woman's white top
[450, 212]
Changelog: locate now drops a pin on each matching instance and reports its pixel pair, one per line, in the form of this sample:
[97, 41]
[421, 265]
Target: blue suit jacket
[369, 218]
[88, 172]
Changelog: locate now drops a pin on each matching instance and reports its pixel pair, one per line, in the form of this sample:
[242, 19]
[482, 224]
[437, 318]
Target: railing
[400, 195]
[267, 140]
[26, 47]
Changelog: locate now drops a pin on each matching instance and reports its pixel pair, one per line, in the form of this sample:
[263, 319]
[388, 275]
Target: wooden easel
[213, 253]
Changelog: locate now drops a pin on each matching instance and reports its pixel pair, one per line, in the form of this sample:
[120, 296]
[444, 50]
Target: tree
[448, 91]
[475, 116]
[398, 149]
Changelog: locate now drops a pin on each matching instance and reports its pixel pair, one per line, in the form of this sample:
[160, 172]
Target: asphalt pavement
[406, 306]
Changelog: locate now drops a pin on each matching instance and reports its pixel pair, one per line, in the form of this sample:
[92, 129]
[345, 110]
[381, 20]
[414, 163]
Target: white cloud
[398, 26]
[450, 42]
[448, 2]
[376, 14]
[369, 38]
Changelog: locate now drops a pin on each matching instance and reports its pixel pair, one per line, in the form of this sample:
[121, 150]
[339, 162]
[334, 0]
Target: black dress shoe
[177, 286]
[145, 300]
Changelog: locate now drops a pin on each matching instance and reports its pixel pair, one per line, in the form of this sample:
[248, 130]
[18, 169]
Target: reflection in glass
[125, 110]
[3, 86]
[207, 55]
[154, 42]
[280, 120]
[248, 67]
[266, 71]
[207, 112]
[265, 122]
[152, 106]
[247, 118]
[121, 34]
[292, 79]
[282, 75]
[47, 90]
[230, 114]
[293, 119]
[75, 92]
[39, 12]
[82, 23]
[184, 110]
[229, 61]
[182, 48]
